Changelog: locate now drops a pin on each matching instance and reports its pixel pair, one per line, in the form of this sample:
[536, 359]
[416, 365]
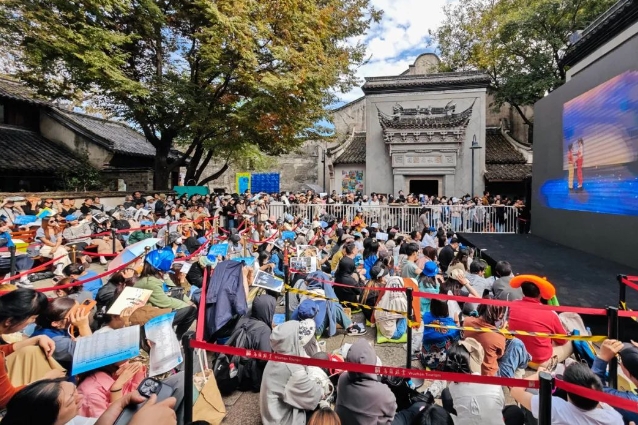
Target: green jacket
[138, 235]
[158, 297]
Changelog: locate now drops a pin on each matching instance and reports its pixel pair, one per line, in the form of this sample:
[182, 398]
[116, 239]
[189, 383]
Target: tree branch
[201, 168]
[214, 176]
[522, 114]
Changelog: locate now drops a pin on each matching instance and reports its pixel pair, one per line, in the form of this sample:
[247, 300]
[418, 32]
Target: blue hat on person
[146, 223]
[161, 259]
[323, 224]
[430, 269]
[432, 229]
[307, 309]
[70, 217]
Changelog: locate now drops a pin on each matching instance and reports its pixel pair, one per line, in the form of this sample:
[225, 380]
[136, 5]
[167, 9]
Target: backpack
[584, 351]
[236, 372]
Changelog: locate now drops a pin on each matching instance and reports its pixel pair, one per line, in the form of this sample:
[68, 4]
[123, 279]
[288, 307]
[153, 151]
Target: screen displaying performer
[600, 151]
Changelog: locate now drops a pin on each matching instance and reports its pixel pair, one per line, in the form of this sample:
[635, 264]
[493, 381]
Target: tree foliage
[212, 76]
[519, 43]
[82, 178]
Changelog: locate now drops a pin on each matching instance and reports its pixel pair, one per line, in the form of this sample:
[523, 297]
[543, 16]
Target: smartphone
[87, 306]
[147, 387]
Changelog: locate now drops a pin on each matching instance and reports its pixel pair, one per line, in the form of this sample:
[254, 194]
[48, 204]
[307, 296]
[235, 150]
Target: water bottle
[233, 370]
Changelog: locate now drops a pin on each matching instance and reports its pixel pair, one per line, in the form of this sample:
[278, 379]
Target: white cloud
[394, 43]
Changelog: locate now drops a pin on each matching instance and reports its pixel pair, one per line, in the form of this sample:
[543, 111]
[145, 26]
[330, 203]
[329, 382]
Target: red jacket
[531, 320]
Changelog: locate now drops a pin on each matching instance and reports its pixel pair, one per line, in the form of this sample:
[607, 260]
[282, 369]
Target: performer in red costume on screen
[580, 157]
[570, 166]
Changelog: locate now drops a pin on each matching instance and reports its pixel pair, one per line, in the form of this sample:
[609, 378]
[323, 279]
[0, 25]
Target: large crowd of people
[352, 263]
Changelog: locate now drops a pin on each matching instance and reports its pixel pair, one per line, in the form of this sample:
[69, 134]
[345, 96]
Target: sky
[394, 43]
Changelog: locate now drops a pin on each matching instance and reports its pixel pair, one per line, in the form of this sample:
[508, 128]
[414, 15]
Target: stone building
[39, 140]
[415, 132]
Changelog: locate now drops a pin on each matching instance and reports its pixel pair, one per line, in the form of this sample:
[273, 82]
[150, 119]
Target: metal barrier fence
[459, 218]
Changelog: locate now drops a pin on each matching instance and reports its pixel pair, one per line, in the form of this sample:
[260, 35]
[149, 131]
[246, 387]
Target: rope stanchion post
[612, 333]
[545, 398]
[166, 234]
[73, 254]
[12, 261]
[286, 281]
[622, 292]
[408, 360]
[113, 236]
[188, 377]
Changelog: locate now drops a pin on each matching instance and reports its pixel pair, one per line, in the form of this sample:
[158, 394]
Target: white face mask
[179, 241]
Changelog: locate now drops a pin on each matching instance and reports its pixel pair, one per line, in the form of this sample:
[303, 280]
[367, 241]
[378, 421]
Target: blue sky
[395, 42]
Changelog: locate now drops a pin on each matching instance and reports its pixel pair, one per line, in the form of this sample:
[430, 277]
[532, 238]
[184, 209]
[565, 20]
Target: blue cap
[430, 269]
[432, 229]
[323, 224]
[146, 223]
[161, 259]
[70, 217]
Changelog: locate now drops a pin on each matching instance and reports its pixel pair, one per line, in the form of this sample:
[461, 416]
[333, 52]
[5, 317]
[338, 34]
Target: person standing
[580, 158]
[570, 166]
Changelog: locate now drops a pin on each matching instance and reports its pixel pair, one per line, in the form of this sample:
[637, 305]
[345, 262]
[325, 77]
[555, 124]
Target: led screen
[600, 151]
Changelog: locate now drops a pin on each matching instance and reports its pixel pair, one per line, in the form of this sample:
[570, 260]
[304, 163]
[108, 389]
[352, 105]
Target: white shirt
[477, 404]
[565, 413]
[429, 240]
[81, 420]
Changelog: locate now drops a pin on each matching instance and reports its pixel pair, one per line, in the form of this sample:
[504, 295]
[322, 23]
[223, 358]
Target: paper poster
[248, 260]
[382, 236]
[186, 266]
[217, 250]
[130, 298]
[165, 352]
[268, 281]
[351, 181]
[105, 348]
[306, 260]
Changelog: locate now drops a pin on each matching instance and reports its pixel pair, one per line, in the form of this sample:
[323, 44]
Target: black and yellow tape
[411, 323]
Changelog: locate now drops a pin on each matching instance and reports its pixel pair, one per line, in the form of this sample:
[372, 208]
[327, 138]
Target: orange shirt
[7, 390]
[493, 344]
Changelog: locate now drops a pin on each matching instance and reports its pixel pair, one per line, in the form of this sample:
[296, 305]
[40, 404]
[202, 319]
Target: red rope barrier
[363, 368]
[627, 281]
[99, 276]
[201, 312]
[615, 401]
[24, 273]
[94, 254]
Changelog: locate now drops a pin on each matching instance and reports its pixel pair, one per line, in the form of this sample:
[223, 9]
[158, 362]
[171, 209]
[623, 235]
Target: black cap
[629, 358]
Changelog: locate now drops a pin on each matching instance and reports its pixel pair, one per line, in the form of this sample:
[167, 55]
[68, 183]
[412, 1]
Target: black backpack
[243, 373]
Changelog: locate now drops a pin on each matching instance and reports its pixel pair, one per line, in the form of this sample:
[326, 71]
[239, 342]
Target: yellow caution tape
[505, 332]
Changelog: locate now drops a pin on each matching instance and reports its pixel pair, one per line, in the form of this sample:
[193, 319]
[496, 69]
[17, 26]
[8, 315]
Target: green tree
[519, 43]
[210, 76]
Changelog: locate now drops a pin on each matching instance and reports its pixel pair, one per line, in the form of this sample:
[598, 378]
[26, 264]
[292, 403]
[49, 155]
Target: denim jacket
[600, 369]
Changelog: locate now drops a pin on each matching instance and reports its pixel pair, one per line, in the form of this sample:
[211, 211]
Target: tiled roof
[616, 19]
[503, 162]
[25, 150]
[17, 91]
[354, 150]
[507, 172]
[437, 81]
[499, 150]
[118, 137]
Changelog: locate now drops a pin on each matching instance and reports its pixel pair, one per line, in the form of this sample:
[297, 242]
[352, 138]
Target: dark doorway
[424, 187]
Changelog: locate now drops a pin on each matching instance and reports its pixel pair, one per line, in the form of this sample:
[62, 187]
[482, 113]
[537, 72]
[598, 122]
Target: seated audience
[428, 283]
[545, 352]
[50, 235]
[501, 287]
[324, 416]
[471, 403]
[56, 321]
[106, 294]
[157, 263]
[576, 409]
[287, 390]
[347, 274]
[437, 341]
[74, 292]
[107, 385]
[81, 272]
[628, 354]
[256, 330]
[22, 261]
[392, 325]
[503, 356]
[59, 403]
[26, 360]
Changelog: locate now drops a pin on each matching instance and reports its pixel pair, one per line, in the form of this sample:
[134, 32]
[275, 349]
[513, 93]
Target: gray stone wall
[141, 180]
[511, 119]
[349, 117]
[296, 168]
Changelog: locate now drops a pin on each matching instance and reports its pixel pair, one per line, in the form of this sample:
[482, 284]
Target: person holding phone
[50, 235]
[59, 403]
